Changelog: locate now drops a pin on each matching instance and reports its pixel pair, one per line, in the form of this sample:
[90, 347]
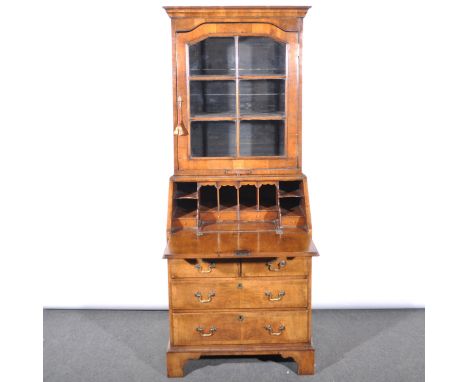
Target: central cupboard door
[238, 84]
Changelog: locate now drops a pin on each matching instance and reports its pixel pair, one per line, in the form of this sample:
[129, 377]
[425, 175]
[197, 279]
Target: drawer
[242, 327]
[205, 294]
[275, 327]
[274, 293]
[202, 328]
[203, 268]
[291, 266]
[239, 293]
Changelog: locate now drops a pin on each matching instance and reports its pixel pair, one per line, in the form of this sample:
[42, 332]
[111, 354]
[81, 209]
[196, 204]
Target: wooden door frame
[254, 165]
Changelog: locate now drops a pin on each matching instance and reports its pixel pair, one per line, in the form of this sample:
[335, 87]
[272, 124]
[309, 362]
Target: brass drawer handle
[202, 333]
[276, 268]
[200, 269]
[210, 295]
[281, 329]
[281, 294]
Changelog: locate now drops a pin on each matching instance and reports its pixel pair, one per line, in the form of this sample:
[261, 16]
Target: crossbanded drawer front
[275, 327]
[204, 328]
[203, 268]
[205, 294]
[242, 327]
[294, 266]
[239, 293]
[274, 293]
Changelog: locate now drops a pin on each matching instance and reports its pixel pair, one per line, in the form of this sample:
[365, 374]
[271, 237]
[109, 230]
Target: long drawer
[239, 293]
[242, 327]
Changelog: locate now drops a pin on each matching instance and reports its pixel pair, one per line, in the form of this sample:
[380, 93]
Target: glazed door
[237, 86]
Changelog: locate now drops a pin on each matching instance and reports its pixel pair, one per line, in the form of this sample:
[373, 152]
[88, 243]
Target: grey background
[114, 345]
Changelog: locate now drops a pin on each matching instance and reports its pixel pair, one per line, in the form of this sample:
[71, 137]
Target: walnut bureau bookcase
[239, 234]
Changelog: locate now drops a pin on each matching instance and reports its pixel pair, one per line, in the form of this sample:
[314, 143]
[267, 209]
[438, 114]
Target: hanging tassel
[179, 129]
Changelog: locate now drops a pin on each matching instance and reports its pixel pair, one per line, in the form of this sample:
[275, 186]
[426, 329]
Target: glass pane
[212, 97]
[262, 97]
[213, 56]
[261, 56]
[213, 138]
[262, 138]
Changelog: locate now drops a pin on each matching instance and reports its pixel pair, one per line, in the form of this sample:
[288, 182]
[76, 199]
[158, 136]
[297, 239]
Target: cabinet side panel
[299, 97]
[307, 205]
[309, 325]
[169, 209]
[174, 90]
[171, 322]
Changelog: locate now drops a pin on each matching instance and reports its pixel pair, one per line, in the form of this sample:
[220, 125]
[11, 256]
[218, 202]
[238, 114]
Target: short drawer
[275, 327]
[291, 266]
[274, 293]
[203, 268]
[239, 293]
[242, 327]
[202, 328]
[206, 294]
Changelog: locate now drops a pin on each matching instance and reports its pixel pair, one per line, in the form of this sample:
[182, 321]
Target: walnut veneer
[239, 233]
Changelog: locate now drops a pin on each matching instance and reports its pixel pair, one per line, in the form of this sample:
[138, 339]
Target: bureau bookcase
[239, 233]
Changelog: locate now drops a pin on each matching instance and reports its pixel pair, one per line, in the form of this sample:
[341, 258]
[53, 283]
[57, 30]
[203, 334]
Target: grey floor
[124, 346]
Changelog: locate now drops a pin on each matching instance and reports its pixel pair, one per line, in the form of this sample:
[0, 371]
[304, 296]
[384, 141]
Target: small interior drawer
[203, 268]
[291, 266]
